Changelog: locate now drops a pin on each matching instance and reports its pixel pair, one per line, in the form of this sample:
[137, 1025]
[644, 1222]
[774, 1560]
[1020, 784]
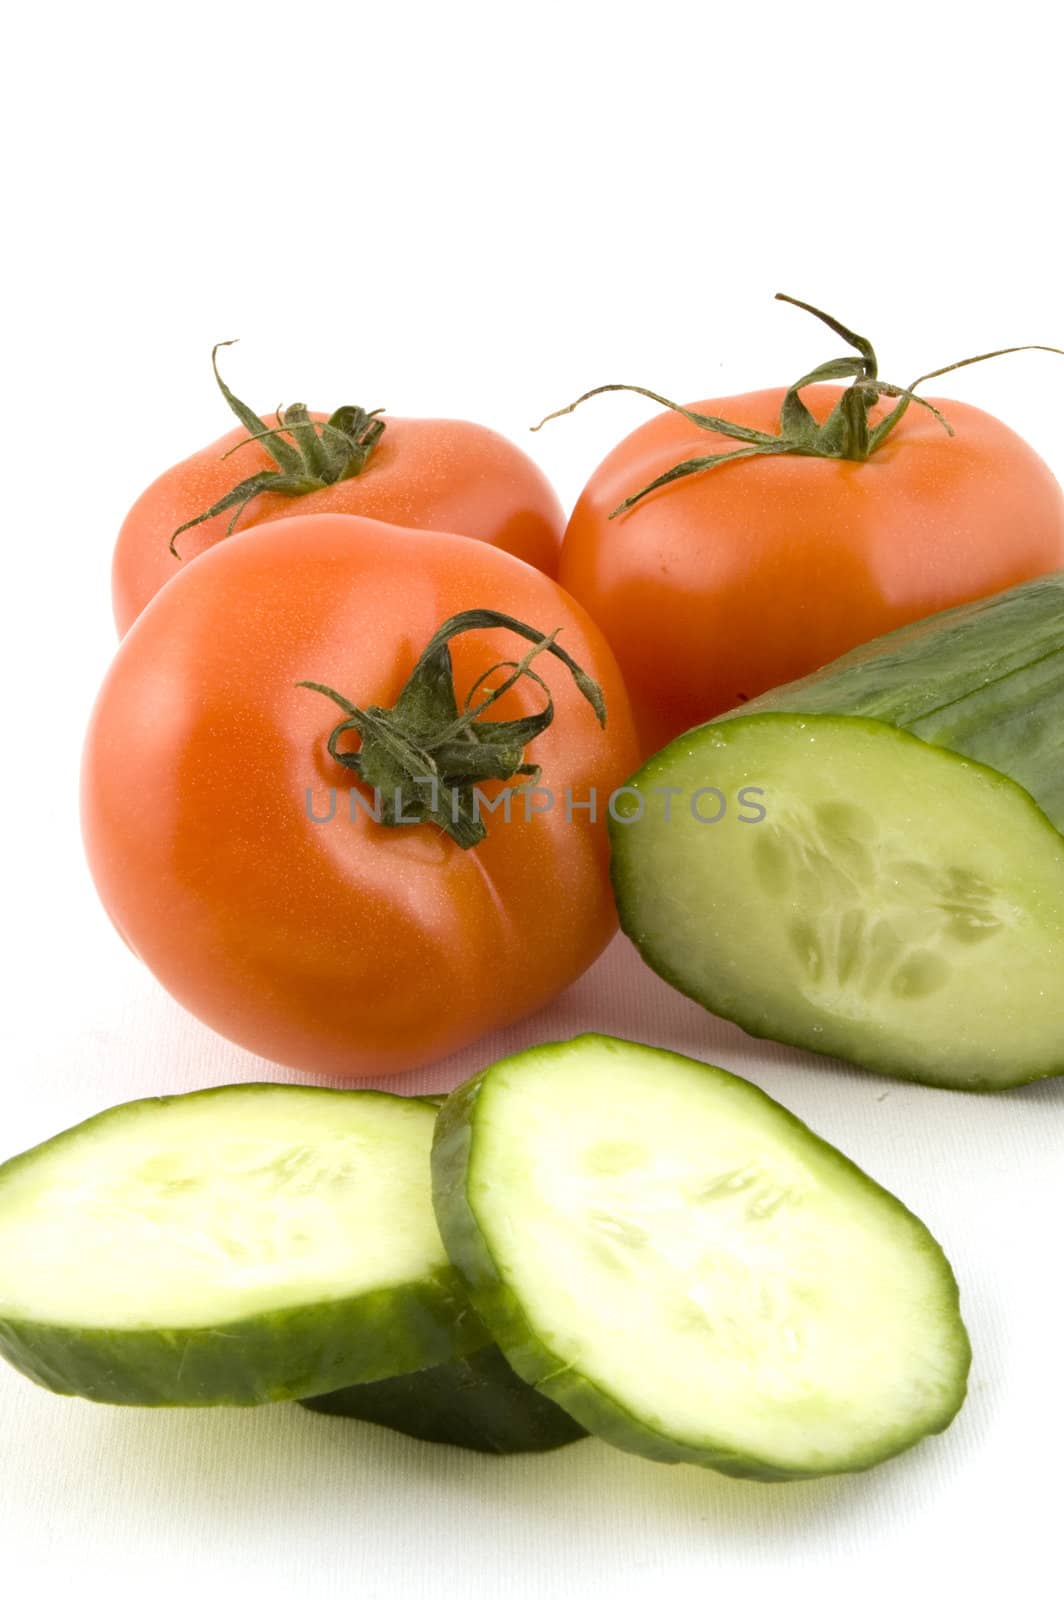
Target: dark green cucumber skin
[985, 680]
[280, 1355]
[598, 1411]
[287, 1354]
[476, 1402]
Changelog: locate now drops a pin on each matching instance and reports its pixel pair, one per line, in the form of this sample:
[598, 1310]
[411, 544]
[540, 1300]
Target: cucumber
[688, 1270]
[476, 1402]
[886, 881]
[229, 1247]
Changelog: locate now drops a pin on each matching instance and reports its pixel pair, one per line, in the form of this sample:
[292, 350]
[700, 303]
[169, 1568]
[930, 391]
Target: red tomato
[723, 584]
[457, 477]
[344, 947]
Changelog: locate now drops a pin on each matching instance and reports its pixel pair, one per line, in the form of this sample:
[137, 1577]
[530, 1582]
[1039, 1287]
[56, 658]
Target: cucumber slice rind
[596, 1407]
[253, 1361]
[278, 1352]
[476, 1402]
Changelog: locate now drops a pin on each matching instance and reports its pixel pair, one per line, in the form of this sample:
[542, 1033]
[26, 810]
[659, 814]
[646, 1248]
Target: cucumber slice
[476, 1402]
[689, 1270]
[228, 1247]
[900, 902]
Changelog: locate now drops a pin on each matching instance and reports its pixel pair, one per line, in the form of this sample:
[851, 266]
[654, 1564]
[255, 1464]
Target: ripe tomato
[346, 946]
[720, 585]
[458, 477]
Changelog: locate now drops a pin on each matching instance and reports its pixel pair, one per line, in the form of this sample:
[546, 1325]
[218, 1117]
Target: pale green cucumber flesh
[897, 905]
[476, 1402]
[231, 1246]
[900, 901]
[689, 1270]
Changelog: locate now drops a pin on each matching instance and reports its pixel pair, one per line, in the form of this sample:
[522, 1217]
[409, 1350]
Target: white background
[481, 210]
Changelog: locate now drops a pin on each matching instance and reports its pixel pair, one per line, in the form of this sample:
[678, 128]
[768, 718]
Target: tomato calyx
[424, 758]
[845, 435]
[313, 455]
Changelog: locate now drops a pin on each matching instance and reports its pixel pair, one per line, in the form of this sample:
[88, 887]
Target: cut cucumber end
[897, 904]
[231, 1246]
[689, 1270]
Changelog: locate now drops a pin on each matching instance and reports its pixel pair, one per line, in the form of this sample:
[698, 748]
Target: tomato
[723, 584]
[342, 945]
[457, 477]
